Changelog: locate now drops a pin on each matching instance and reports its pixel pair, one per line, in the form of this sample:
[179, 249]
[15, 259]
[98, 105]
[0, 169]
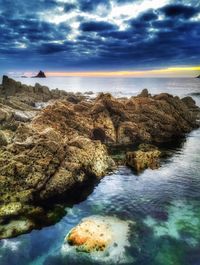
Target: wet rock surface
[148, 156]
[49, 152]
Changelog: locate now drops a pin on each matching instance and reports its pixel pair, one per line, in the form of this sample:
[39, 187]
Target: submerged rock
[90, 235]
[102, 238]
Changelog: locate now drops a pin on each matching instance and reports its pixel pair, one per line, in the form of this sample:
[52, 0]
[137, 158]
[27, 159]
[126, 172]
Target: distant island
[41, 74]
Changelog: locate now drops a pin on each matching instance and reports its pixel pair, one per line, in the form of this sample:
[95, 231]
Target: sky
[100, 37]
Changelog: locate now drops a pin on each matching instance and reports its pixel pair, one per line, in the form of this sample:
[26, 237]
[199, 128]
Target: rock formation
[198, 76]
[48, 153]
[41, 74]
[147, 156]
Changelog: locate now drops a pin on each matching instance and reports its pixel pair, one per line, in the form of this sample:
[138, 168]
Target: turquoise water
[164, 204]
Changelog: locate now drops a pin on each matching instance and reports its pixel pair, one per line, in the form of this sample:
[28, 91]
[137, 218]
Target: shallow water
[164, 203]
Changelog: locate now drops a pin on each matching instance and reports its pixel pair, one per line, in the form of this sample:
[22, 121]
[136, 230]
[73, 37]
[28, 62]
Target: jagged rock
[41, 74]
[41, 89]
[144, 93]
[15, 92]
[9, 86]
[51, 154]
[57, 149]
[190, 102]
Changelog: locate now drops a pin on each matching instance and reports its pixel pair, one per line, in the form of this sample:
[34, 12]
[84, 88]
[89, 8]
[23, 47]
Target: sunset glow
[172, 71]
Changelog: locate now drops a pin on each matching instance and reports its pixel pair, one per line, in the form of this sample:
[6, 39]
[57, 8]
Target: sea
[163, 204]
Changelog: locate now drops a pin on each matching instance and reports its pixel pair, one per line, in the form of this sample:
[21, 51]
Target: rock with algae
[100, 238]
[148, 156]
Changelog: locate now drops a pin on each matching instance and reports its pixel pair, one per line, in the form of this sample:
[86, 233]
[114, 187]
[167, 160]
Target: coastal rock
[50, 153]
[147, 157]
[26, 96]
[144, 93]
[41, 74]
[13, 208]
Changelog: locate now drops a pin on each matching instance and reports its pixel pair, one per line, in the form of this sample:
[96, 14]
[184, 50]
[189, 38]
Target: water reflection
[165, 204]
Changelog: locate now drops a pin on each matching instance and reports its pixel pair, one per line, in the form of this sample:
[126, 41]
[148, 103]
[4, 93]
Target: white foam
[13, 246]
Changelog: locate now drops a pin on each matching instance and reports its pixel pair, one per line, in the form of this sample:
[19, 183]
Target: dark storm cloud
[166, 36]
[179, 11]
[97, 26]
[50, 48]
[150, 15]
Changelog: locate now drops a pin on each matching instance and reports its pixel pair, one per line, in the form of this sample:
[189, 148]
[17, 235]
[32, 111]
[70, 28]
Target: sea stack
[41, 74]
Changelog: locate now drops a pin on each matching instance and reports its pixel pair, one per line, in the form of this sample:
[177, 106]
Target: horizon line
[140, 73]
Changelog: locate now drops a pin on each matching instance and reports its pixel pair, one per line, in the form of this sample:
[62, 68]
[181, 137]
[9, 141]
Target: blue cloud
[91, 5]
[68, 7]
[146, 40]
[93, 26]
[178, 10]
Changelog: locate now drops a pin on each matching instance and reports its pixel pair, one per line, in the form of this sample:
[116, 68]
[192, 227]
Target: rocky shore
[53, 151]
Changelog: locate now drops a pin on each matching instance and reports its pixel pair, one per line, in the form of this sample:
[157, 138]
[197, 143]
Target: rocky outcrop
[41, 74]
[17, 93]
[148, 156]
[198, 76]
[65, 143]
[143, 119]
[49, 153]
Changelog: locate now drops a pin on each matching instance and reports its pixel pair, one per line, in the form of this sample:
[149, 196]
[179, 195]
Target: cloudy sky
[99, 35]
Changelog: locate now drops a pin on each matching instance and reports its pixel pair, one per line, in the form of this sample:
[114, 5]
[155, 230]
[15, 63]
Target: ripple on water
[165, 204]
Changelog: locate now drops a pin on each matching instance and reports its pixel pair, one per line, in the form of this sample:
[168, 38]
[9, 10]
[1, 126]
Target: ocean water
[119, 87]
[164, 204]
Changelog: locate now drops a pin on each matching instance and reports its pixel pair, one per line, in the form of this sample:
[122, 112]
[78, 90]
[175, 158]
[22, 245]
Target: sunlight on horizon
[165, 72]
